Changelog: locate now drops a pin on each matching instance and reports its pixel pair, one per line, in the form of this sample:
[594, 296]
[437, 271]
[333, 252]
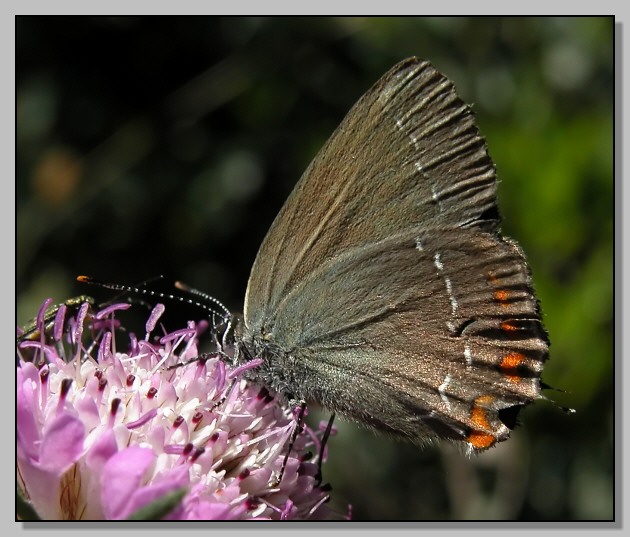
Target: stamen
[59, 322]
[113, 409]
[106, 312]
[156, 313]
[142, 420]
[252, 364]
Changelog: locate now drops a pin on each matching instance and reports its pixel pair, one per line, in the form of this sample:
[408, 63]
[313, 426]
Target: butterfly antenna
[183, 287]
[206, 304]
[226, 317]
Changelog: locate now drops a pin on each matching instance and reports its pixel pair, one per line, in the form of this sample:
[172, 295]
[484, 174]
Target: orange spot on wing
[512, 360]
[509, 365]
[478, 415]
[478, 437]
[507, 326]
[480, 440]
[501, 296]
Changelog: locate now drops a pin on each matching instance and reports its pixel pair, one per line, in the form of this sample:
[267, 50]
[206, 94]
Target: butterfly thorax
[278, 369]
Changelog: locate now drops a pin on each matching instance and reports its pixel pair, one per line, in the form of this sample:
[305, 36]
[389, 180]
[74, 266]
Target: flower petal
[28, 432]
[171, 481]
[62, 444]
[122, 476]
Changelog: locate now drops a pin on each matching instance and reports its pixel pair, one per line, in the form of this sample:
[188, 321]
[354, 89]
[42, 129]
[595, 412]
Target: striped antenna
[206, 302]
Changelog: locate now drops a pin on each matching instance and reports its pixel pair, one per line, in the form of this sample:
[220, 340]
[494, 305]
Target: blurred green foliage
[160, 145]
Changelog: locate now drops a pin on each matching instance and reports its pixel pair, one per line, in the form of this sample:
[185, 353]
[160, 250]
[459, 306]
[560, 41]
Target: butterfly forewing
[407, 153]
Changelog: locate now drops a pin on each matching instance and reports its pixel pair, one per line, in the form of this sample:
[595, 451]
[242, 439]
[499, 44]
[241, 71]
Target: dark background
[159, 145]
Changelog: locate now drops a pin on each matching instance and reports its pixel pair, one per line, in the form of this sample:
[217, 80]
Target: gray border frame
[323, 7]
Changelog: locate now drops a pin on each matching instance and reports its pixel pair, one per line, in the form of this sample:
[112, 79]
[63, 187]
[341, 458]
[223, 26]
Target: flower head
[103, 432]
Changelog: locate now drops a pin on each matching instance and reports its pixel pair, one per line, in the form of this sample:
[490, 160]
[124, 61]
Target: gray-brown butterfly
[384, 290]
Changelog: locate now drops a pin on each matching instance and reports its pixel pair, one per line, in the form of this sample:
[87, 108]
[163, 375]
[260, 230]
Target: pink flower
[102, 433]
